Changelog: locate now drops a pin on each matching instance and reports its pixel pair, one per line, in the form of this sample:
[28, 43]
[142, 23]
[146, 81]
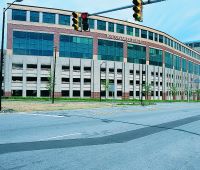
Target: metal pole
[125, 7]
[2, 55]
[100, 82]
[142, 87]
[54, 72]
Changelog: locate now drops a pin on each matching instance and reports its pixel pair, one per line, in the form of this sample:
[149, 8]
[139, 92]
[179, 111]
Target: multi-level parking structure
[124, 53]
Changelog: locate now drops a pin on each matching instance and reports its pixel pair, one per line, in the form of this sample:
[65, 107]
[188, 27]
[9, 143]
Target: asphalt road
[158, 137]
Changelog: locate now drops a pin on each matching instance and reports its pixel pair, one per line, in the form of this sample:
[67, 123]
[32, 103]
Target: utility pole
[54, 73]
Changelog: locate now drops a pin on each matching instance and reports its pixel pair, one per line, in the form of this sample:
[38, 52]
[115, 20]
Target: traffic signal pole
[126, 7]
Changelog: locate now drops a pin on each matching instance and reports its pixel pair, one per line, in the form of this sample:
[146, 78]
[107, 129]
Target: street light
[54, 73]
[100, 77]
[2, 46]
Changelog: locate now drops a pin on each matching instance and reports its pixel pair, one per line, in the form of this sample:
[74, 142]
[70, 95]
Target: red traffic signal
[84, 17]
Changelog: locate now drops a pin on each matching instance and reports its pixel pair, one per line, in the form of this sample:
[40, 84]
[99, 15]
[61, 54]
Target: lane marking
[61, 136]
[37, 114]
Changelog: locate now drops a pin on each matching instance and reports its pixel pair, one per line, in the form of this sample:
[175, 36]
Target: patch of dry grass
[28, 106]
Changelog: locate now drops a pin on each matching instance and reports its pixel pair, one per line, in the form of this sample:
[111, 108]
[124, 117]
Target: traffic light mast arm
[126, 7]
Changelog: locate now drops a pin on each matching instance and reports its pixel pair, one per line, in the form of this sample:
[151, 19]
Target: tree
[197, 92]
[173, 91]
[49, 86]
[106, 85]
[146, 89]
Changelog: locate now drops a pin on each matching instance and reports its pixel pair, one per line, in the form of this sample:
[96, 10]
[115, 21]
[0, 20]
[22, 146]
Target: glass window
[34, 16]
[32, 43]
[91, 23]
[184, 65]
[156, 37]
[168, 60]
[111, 27]
[177, 62]
[129, 30]
[120, 28]
[64, 19]
[110, 50]
[161, 38]
[76, 47]
[137, 32]
[150, 35]
[190, 67]
[143, 33]
[19, 15]
[48, 18]
[136, 54]
[155, 57]
[101, 25]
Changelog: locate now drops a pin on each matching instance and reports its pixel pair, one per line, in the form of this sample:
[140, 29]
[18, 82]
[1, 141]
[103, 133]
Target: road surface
[157, 137]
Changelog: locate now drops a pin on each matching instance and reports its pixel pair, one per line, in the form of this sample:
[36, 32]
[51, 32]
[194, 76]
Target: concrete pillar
[38, 78]
[95, 81]
[81, 78]
[70, 78]
[7, 74]
[125, 81]
[58, 70]
[24, 78]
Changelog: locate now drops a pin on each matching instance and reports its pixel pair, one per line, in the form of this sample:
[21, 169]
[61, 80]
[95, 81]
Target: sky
[178, 18]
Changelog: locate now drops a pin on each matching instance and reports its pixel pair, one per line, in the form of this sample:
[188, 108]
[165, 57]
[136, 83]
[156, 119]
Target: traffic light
[137, 10]
[84, 17]
[75, 20]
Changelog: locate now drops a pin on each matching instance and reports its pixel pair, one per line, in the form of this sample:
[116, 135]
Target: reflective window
[168, 60]
[76, 47]
[111, 27]
[120, 28]
[34, 16]
[143, 33]
[136, 54]
[190, 67]
[155, 37]
[101, 25]
[155, 57]
[110, 50]
[64, 19]
[129, 30]
[48, 18]
[32, 43]
[184, 65]
[150, 35]
[91, 23]
[161, 38]
[137, 32]
[19, 15]
[177, 62]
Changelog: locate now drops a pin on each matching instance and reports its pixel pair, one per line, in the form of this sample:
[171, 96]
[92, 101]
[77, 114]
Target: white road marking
[37, 114]
[61, 136]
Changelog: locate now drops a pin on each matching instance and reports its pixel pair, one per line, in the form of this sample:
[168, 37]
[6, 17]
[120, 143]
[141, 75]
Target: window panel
[101, 25]
[31, 43]
[76, 47]
[34, 16]
[129, 30]
[136, 54]
[19, 15]
[110, 50]
[64, 19]
[155, 57]
[111, 27]
[120, 28]
[48, 18]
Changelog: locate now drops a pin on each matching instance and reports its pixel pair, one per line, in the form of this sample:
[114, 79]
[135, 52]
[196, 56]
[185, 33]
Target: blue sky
[178, 18]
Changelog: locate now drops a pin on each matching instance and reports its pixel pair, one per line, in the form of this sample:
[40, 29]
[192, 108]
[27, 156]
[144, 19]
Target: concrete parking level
[157, 137]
